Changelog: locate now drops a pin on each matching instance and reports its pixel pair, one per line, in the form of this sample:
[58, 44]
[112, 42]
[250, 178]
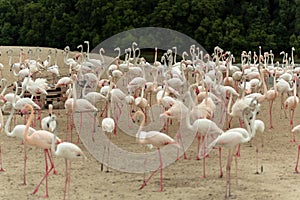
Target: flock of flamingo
[193, 92]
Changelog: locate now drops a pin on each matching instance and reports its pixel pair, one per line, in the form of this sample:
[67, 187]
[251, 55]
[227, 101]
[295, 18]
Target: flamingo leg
[292, 112]
[107, 169]
[256, 153]
[47, 155]
[262, 148]
[296, 168]
[270, 112]
[181, 142]
[1, 163]
[25, 160]
[238, 153]
[228, 168]
[220, 162]
[198, 144]
[160, 169]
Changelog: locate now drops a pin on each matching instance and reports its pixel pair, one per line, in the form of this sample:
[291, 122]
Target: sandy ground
[182, 179]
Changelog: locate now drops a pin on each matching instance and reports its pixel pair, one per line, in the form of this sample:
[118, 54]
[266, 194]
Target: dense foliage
[232, 25]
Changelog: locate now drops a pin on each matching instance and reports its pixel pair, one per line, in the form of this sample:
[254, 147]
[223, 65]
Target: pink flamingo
[208, 129]
[297, 129]
[78, 105]
[69, 152]
[177, 111]
[230, 139]
[291, 103]
[271, 96]
[155, 138]
[18, 132]
[41, 139]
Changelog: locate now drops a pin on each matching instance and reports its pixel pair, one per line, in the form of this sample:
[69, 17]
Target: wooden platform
[55, 96]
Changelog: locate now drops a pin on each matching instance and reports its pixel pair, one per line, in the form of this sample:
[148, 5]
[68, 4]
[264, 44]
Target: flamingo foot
[2, 169]
[197, 158]
[203, 177]
[143, 185]
[55, 172]
[45, 196]
[185, 157]
[221, 175]
[296, 170]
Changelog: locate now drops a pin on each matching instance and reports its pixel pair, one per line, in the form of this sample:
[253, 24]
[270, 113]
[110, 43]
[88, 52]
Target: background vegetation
[231, 24]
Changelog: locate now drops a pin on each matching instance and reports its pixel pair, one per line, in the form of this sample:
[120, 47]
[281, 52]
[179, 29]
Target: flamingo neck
[28, 124]
[141, 125]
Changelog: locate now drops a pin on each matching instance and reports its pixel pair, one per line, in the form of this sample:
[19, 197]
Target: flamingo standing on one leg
[155, 138]
[291, 103]
[41, 139]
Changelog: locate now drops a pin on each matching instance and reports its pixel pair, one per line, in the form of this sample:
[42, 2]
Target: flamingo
[108, 126]
[210, 130]
[69, 152]
[41, 139]
[92, 97]
[78, 105]
[49, 126]
[259, 127]
[177, 111]
[230, 139]
[18, 132]
[155, 138]
[291, 104]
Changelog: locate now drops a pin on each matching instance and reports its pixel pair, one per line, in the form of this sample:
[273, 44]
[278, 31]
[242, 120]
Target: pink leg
[220, 162]
[198, 136]
[67, 178]
[1, 164]
[159, 168]
[228, 168]
[238, 153]
[292, 126]
[296, 168]
[25, 160]
[67, 128]
[271, 121]
[46, 152]
[181, 142]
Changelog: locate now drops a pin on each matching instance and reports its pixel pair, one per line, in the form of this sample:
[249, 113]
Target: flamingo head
[4, 99]
[26, 108]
